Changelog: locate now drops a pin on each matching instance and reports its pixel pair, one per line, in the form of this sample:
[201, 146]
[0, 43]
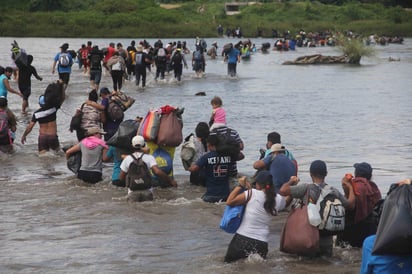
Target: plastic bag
[394, 235]
[313, 215]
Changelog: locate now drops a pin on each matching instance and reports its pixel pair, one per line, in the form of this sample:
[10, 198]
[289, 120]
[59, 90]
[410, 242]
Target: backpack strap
[249, 195]
[141, 156]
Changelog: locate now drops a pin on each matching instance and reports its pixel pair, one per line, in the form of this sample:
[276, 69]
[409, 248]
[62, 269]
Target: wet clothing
[43, 116]
[160, 64]
[6, 116]
[178, 64]
[232, 59]
[217, 171]
[114, 153]
[3, 89]
[299, 192]
[110, 126]
[47, 142]
[281, 168]
[117, 67]
[360, 222]
[140, 67]
[91, 118]
[380, 264]
[253, 234]
[64, 71]
[25, 73]
[95, 58]
[91, 165]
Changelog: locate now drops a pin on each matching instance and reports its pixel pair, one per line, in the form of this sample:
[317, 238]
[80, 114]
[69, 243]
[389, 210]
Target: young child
[218, 118]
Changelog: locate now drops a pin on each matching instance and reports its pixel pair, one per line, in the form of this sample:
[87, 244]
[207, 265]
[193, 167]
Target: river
[342, 114]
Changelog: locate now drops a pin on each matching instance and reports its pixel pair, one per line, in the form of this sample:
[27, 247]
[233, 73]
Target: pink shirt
[220, 116]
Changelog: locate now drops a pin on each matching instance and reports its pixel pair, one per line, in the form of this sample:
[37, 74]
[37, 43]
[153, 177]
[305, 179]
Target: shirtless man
[48, 138]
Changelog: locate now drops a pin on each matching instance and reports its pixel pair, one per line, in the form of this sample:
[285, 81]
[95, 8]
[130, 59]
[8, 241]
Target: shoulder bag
[233, 215]
[76, 119]
[298, 235]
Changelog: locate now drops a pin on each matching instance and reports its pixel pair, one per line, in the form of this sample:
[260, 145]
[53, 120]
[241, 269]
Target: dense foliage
[144, 18]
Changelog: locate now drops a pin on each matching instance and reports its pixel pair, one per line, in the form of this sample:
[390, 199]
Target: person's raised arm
[349, 193]
[285, 188]
[238, 196]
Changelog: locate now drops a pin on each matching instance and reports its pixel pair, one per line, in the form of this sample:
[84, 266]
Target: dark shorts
[65, 77]
[241, 247]
[91, 177]
[26, 91]
[47, 142]
[96, 76]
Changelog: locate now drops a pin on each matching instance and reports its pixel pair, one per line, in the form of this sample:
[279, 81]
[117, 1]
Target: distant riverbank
[191, 19]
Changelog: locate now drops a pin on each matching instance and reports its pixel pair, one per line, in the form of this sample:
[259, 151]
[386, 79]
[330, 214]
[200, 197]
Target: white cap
[277, 148]
[138, 141]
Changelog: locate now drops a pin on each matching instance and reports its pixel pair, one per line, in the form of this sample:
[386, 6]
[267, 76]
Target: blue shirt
[3, 89]
[281, 168]
[383, 264]
[112, 153]
[217, 171]
[232, 56]
[61, 69]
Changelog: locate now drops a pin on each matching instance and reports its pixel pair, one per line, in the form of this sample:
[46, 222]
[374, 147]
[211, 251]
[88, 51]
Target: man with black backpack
[178, 60]
[95, 57]
[135, 172]
[160, 56]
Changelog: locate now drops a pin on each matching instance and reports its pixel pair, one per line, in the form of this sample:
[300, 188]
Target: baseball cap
[65, 46]
[138, 142]
[277, 148]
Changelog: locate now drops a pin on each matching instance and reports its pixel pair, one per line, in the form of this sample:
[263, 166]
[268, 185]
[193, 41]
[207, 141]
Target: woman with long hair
[262, 204]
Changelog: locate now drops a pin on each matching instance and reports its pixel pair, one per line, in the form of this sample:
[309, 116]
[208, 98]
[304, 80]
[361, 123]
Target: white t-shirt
[256, 220]
[149, 160]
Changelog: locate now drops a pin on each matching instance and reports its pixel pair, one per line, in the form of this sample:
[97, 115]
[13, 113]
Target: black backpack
[227, 144]
[177, 57]
[114, 111]
[95, 61]
[138, 177]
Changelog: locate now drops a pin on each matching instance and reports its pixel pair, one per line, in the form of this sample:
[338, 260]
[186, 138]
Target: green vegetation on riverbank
[139, 18]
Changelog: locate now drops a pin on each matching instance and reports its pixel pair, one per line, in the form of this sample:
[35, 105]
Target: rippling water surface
[342, 114]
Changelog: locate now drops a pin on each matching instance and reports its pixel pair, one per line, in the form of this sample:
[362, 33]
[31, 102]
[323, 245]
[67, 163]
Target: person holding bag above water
[261, 205]
[312, 192]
